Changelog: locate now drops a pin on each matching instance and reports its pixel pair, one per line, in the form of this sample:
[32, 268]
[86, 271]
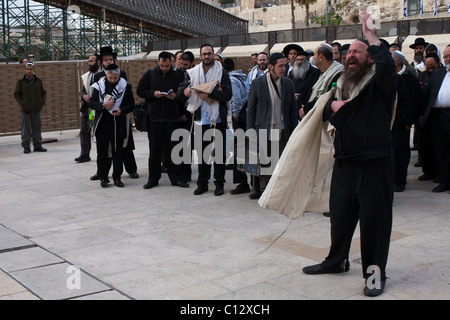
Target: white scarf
[323, 82]
[118, 92]
[275, 99]
[197, 76]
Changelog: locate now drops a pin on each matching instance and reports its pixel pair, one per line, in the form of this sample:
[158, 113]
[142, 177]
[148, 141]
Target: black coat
[102, 115]
[363, 125]
[259, 108]
[161, 108]
[431, 90]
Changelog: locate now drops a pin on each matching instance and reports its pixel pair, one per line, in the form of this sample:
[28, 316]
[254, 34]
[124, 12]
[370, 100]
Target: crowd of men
[238, 98]
[367, 90]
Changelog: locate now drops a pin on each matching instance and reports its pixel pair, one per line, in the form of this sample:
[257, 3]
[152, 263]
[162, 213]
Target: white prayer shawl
[322, 84]
[86, 79]
[275, 119]
[302, 177]
[197, 76]
[118, 94]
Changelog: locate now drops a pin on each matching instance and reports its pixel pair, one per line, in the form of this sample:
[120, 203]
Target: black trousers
[204, 168]
[426, 150]
[159, 133]
[259, 183]
[402, 153]
[85, 134]
[361, 191]
[108, 135]
[440, 131]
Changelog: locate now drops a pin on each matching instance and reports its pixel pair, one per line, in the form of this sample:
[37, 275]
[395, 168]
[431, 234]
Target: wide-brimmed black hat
[107, 51]
[296, 47]
[418, 41]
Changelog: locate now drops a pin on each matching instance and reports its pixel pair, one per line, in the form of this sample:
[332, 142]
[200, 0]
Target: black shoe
[399, 188]
[326, 214]
[440, 188]
[426, 177]
[228, 167]
[104, 183]
[95, 177]
[200, 190]
[40, 149]
[219, 190]
[418, 163]
[181, 184]
[319, 269]
[26, 150]
[118, 183]
[134, 175]
[241, 188]
[374, 291]
[255, 195]
[82, 159]
[150, 184]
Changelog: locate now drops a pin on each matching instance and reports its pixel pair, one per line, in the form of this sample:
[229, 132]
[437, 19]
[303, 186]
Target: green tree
[303, 3]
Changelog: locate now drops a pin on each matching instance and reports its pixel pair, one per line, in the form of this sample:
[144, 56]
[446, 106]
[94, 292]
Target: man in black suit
[271, 107]
[108, 57]
[304, 76]
[437, 114]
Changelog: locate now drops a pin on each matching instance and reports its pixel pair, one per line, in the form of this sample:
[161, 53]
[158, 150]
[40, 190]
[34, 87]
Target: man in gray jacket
[271, 107]
[30, 94]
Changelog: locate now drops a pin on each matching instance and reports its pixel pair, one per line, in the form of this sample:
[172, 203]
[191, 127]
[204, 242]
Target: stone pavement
[62, 236]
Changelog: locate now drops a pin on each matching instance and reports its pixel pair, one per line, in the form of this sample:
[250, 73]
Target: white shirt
[443, 97]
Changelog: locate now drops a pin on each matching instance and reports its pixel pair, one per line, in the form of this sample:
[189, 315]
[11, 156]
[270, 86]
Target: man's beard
[300, 70]
[262, 66]
[353, 76]
[418, 58]
[93, 68]
[447, 65]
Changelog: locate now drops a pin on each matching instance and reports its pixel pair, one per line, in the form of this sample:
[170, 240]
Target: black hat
[107, 51]
[112, 66]
[418, 41]
[274, 57]
[345, 47]
[296, 47]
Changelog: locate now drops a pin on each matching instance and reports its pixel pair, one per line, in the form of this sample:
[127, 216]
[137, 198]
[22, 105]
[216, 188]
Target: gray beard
[448, 67]
[418, 58]
[299, 71]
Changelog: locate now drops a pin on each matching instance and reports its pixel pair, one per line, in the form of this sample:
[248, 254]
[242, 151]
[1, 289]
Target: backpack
[140, 116]
[140, 112]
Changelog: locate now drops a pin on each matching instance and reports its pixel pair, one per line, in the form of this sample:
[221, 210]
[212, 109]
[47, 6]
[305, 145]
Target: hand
[203, 95]
[183, 118]
[108, 104]
[369, 29]
[336, 105]
[297, 96]
[171, 96]
[158, 94]
[86, 97]
[301, 113]
[117, 112]
[187, 92]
